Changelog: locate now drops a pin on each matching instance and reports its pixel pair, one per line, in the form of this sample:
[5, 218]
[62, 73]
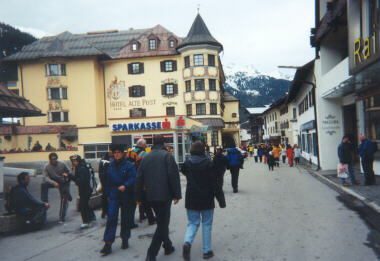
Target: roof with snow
[257, 110]
[228, 97]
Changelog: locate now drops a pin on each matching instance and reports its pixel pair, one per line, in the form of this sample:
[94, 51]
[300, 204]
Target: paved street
[284, 215]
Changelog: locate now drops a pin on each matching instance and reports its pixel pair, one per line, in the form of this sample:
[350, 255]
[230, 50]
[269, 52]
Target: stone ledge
[10, 222]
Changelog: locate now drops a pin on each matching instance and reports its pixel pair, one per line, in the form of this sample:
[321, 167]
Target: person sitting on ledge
[37, 146]
[27, 206]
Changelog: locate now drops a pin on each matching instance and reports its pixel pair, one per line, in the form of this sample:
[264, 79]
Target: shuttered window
[135, 68]
[137, 91]
[168, 66]
[169, 89]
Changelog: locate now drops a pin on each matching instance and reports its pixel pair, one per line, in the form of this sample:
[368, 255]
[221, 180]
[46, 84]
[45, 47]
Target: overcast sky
[264, 34]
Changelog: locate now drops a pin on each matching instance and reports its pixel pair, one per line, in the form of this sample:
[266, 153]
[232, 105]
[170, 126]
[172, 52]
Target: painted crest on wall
[117, 94]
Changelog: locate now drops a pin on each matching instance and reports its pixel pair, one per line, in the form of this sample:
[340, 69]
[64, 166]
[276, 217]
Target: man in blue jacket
[24, 204]
[367, 151]
[235, 162]
[120, 189]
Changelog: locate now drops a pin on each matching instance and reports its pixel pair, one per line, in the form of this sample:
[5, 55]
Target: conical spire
[199, 34]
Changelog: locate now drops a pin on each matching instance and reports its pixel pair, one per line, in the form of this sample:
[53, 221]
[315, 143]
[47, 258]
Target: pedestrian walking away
[283, 155]
[201, 189]
[345, 154]
[260, 153]
[158, 177]
[367, 150]
[120, 188]
[220, 164]
[82, 178]
[53, 177]
[103, 170]
[297, 154]
[290, 153]
[256, 153]
[235, 162]
[135, 156]
[270, 160]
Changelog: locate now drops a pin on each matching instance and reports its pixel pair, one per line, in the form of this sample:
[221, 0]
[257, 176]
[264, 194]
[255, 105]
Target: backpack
[93, 183]
[8, 200]
[134, 157]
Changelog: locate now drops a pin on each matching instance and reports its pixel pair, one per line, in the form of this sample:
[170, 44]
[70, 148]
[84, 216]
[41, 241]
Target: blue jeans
[194, 220]
[350, 174]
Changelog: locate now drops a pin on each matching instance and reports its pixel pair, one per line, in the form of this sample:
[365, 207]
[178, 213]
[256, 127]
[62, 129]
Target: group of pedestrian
[271, 154]
[367, 150]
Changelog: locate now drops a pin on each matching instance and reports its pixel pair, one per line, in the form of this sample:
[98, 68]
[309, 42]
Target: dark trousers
[161, 235]
[369, 175]
[86, 212]
[255, 158]
[36, 216]
[283, 159]
[145, 209]
[235, 176]
[127, 219]
[270, 166]
[297, 160]
[64, 192]
[261, 158]
[104, 204]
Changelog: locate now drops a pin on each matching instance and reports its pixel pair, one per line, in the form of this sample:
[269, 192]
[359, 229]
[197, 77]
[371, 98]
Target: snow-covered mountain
[254, 88]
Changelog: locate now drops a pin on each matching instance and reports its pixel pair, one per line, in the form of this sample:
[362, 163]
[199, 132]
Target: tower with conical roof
[203, 77]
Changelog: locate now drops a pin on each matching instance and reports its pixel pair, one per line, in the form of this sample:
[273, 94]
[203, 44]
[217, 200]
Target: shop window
[152, 44]
[199, 84]
[137, 113]
[169, 89]
[212, 84]
[198, 60]
[93, 151]
[211, 60]
[170, 111]
[201, 109]
[315, 144]
[137, 91]
[214, 138]
[57, 93]
[189, 109]
[168, 66]
[135, 68]
[188, 86]
[309, 143]
[187, 61]
[55, 69]
[213, 109]
[58, 116]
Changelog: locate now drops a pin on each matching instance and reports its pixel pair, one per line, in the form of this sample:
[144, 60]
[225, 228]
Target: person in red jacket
[290, 154]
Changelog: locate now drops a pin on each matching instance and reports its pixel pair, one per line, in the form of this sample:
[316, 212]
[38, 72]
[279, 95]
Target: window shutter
[130, 68]
[144, 112]
[130, 113]
[175, 88]
[47, 69]
[130, 91]
[162, 66]
[174, 66]
[141, 67]
[49, 94]
[63, 69]
[142, 91]
[163, 91]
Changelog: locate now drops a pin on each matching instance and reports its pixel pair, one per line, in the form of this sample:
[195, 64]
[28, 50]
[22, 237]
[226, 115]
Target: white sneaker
[83, 226]
[61, 222]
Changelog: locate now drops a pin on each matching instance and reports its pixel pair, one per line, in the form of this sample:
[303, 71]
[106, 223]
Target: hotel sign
[363, 34]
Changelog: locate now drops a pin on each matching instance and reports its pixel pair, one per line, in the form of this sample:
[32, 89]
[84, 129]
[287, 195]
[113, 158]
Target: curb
[340, 188]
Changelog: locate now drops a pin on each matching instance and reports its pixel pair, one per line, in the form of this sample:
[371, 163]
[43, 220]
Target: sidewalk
[369, 195]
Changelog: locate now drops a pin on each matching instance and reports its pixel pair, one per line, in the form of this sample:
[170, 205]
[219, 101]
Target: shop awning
[12, 105]
[200, 129]
[213, 122]
[343, 89]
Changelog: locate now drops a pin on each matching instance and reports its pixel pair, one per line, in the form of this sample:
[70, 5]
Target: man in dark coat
[121, 177]
[158, 173]
[24, 204]
[235, 162]
[367, 151]
[345, 151]
[220, 164]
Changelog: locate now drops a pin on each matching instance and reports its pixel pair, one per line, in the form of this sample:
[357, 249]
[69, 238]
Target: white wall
[330, 131]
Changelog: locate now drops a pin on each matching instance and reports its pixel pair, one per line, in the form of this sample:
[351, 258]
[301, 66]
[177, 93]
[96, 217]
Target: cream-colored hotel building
[119, 86]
